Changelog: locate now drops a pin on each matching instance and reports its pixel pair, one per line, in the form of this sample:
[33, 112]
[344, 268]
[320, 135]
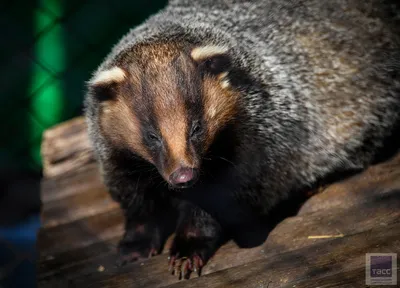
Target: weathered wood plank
[290, 235]
[80, 233]
[82, 261]
[75, 259]
[74, 196]
[86, 178]
[323, 259]
[347, 279]
[71, 208]
[66, 147]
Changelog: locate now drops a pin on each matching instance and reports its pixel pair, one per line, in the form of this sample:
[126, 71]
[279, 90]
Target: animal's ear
[103, 85]
[212, 59]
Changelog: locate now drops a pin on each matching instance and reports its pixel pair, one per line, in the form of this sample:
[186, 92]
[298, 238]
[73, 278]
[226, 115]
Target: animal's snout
[184, 177]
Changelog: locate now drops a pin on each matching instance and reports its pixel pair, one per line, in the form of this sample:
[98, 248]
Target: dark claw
[193, 245]
[183, 267]
[171, 263]
[177, 268]
[198, 264]
[187, 268]
[189, 264]
[153, 252]
[183, 270]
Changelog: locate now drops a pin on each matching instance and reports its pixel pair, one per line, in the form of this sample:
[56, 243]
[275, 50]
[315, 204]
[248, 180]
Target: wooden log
[78, 248]
[66, 147]
[83, 261]
[321, 260]
[86, 178]
[80, 233]
[74, 207]
[353, 277]
[292, 234]
[52, 266]
[74, 196]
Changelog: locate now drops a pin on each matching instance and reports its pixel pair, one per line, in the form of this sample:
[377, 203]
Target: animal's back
[342, 59]
[332, 64]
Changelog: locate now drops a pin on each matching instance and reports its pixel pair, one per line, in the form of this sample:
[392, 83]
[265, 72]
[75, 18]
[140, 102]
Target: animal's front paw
[191, 249]
[141, 241]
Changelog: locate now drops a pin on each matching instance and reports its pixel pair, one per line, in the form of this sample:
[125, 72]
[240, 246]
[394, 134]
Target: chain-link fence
[48, 50]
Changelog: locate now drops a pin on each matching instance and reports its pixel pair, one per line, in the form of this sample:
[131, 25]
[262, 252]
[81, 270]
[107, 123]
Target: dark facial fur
[167, 107]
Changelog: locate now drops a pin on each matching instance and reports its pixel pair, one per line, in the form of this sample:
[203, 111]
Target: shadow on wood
[322, 242]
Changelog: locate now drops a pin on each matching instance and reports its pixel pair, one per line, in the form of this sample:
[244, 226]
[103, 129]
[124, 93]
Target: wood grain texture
[292, 234]
[80, 233]
[347, 278]
[70, 183]
[319, 260]
[74, 260]
[66, 147]
[82, 226]
[77, 206]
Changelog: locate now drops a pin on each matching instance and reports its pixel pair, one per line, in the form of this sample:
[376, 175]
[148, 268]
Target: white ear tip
[208, 51]
[113, 75]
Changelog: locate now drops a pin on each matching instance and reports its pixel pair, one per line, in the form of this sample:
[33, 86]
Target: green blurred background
[49, 49]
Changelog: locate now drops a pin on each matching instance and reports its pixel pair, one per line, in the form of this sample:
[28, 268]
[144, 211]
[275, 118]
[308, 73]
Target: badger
[211, 113]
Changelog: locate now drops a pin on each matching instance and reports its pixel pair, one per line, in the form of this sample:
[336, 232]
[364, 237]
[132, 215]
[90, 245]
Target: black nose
[184, 177]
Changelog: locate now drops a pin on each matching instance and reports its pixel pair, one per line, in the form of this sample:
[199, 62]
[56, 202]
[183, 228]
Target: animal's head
[166, 102]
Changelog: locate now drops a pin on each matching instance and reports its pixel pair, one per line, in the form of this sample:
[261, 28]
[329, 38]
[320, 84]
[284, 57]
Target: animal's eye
[217, 64]
[196, 129]
[153, 137]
